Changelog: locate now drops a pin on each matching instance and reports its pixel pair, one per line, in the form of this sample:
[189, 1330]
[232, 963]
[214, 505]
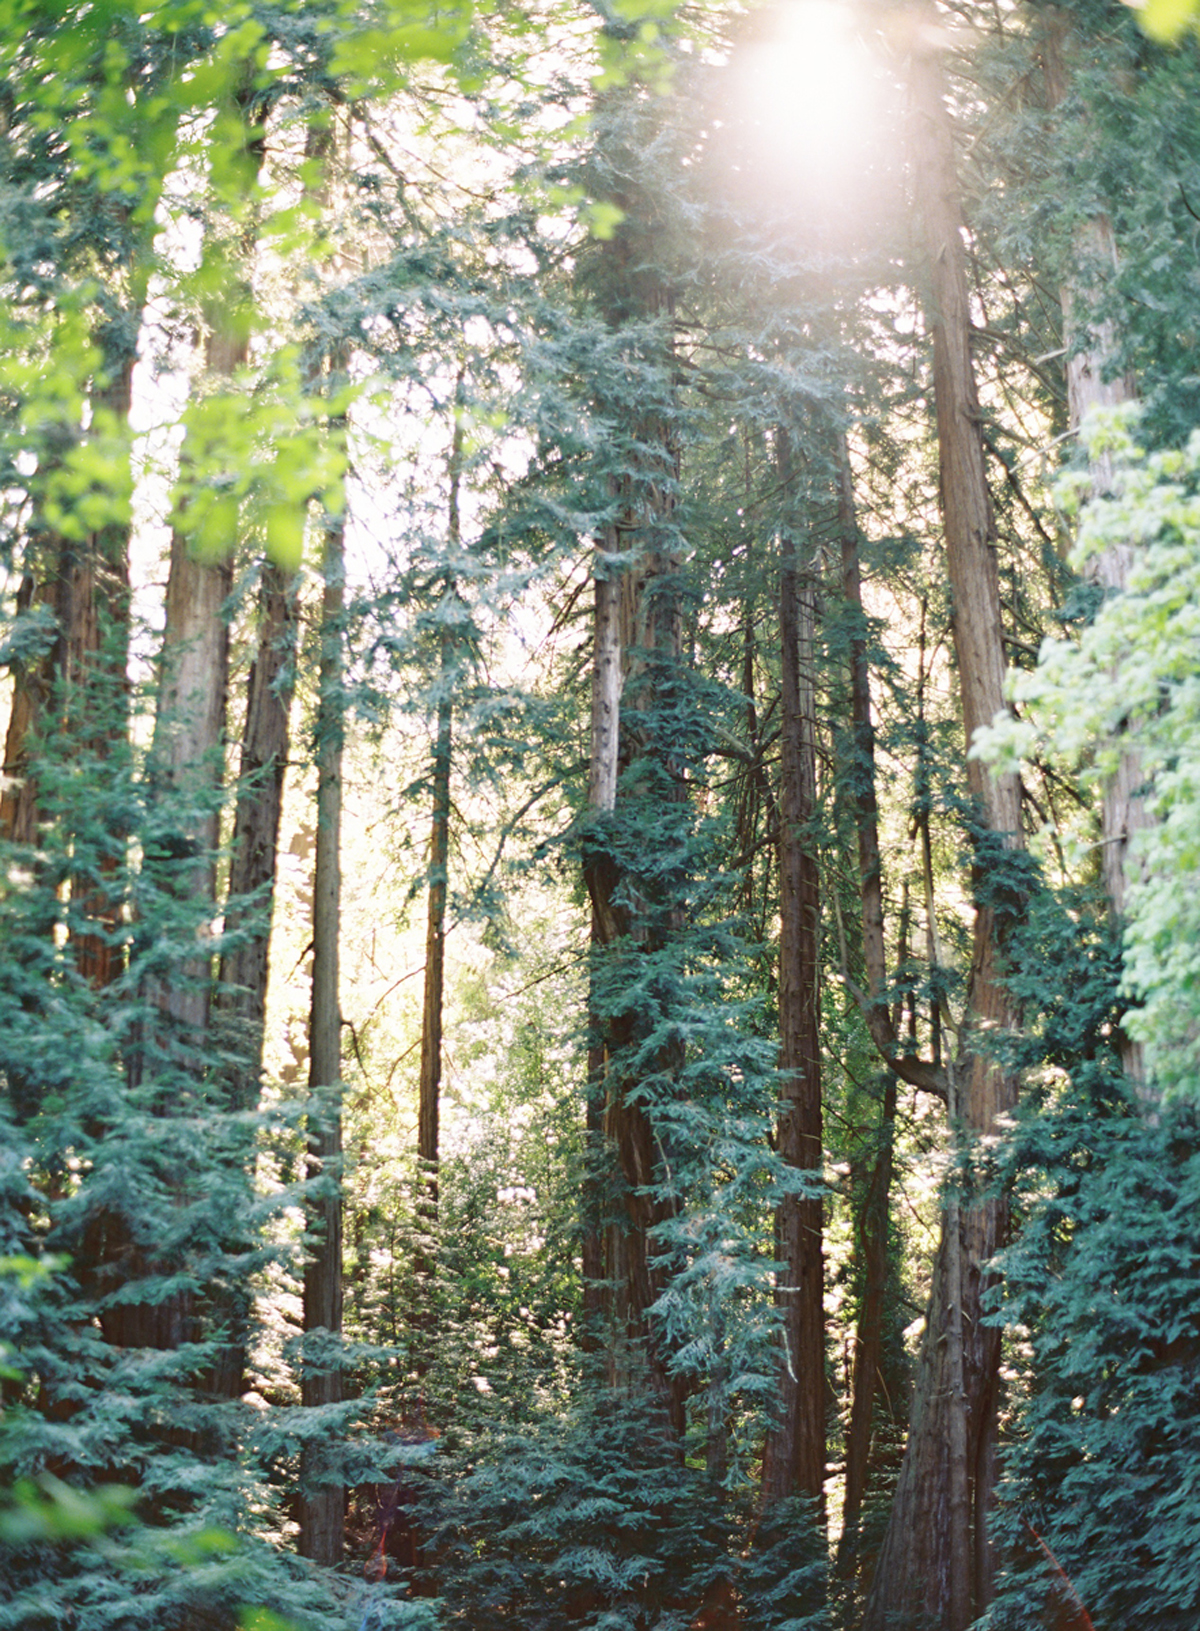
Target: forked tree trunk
[322, 1496]
[794, 1456]
[936, 1565]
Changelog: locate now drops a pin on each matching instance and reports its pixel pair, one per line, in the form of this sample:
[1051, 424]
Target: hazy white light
[810, 86]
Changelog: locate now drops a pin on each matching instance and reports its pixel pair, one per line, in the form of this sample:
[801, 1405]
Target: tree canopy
[598, 833]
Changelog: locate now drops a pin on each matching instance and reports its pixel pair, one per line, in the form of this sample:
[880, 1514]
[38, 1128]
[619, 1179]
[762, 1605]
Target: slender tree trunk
[868, 1331]
[607, 675]
[98, 602]
[242, 986]
[794, 1457]
[874, 1216]
[435, 928]
[938, 1530]
[241, 994]
[435, 941]
[322, 1496]
[861, 767]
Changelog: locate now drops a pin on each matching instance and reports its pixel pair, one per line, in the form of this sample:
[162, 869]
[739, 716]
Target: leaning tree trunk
[322, 1496]
[936, 1564]
[794, 1455]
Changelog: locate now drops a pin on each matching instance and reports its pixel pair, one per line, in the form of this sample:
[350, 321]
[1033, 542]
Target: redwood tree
[937, 1558]
[794, 1455]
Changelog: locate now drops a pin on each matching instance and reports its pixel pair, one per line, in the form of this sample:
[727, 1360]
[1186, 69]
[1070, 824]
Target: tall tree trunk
[435, 925]
[1094, 381]
[241, 993]
[872, 1245]
[607, 676]
[637, 649]
[188, 752]
[31, 681]
[188, 763]
[435, 940]
[646, 622]
[244, 969]
[794, 1456]
[936, 1564]
[78, 687]
[322, 1496]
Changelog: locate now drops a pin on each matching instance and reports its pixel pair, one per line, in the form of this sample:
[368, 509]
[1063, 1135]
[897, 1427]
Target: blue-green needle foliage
[588, 1518]
[1101, 1298]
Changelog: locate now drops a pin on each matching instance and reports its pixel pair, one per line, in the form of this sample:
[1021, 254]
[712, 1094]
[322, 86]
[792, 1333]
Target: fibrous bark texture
[322, 1496]
[872, 1241]
[794, 1457]
[429, 1090]
[242, 986]
[936, 1565]
[637, 650]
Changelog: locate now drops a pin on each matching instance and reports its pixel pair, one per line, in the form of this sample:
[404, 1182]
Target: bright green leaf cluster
[266, 454]
[47, 1510]
[1169, 20]
[1131, 685]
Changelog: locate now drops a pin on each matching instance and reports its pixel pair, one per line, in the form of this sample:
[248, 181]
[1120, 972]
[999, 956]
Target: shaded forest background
[599, 930]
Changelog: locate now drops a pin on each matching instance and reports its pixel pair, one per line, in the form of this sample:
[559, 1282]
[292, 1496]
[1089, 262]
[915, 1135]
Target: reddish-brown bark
[936, 1560]
[794, 1456]
[322, 1497]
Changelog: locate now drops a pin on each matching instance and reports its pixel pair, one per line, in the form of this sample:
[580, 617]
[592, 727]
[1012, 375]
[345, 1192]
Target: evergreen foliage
[1128, 684]
[1098, 1293]
[531, 312]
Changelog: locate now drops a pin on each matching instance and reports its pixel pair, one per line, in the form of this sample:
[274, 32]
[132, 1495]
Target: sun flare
[810, 87]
